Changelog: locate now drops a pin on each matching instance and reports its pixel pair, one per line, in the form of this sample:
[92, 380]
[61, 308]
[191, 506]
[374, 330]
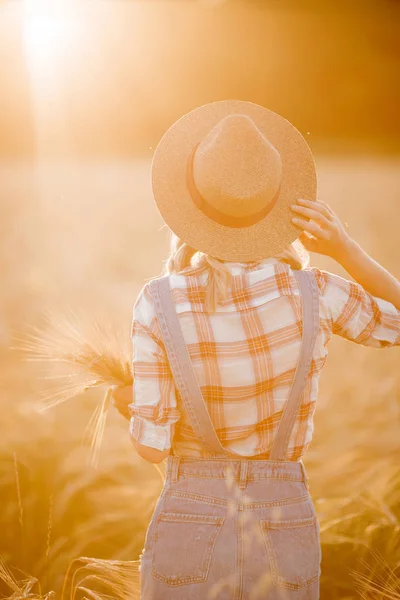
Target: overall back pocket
[183, 547]
[294, 551]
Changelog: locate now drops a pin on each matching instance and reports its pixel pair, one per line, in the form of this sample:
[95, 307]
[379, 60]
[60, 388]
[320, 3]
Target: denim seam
[240, 521]
[238, 536]
[285, 502]
[254, 478]
[213, 501]
[150, 533]
[239, 589]
[289, 523]
[186, 459]
[172, 517]
[251, 478]
[199, 497]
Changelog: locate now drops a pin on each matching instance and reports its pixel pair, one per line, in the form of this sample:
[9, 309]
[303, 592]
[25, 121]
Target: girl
[228, 348]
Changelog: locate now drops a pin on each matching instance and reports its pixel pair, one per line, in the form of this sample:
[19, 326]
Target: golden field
[86, 236]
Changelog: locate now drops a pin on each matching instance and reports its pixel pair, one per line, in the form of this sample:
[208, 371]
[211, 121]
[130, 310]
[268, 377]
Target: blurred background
[87, 89]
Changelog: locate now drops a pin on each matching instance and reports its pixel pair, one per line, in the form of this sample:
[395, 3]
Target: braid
[219, 281]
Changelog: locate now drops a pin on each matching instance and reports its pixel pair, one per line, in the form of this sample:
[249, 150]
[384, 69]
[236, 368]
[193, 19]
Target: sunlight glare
[54, 38]
[52, 28]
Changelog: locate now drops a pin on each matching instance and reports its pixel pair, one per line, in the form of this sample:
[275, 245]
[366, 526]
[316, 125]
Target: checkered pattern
[244, 355]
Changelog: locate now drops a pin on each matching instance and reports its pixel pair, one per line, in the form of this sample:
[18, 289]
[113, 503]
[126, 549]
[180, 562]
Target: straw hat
[225, 175]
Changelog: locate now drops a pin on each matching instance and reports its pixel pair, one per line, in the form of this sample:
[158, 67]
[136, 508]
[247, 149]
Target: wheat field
[87, 236]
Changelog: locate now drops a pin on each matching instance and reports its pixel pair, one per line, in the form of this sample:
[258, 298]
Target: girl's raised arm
[329, 237]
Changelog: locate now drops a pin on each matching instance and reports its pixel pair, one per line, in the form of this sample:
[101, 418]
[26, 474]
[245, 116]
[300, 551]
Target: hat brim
[267, 237]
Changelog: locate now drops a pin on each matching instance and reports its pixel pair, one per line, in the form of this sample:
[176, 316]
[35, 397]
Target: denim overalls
[229, 527]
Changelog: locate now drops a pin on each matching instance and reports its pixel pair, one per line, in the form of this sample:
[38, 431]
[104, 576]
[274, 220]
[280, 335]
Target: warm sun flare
[51, 29]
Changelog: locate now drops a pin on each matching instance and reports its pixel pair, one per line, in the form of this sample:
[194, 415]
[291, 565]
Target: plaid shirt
[244, 355]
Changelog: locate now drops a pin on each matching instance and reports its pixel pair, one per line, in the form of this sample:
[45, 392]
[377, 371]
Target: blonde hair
[219, 276]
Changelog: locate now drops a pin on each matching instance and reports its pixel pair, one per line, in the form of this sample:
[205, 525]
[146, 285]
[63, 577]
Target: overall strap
[310, 317]
[181, 366]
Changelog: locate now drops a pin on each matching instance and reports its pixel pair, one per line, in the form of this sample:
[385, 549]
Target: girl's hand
[329, 235]
[122, 396]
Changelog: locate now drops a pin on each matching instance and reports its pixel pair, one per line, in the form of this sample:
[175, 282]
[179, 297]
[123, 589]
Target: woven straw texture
[261, 240]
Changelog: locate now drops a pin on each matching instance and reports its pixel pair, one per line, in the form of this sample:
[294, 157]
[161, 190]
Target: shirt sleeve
[355, 314]
[154, 409]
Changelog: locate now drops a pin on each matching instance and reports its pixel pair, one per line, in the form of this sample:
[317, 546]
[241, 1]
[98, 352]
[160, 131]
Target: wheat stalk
[21, 590]
[121, 577]
[90, 355]
[382, 583]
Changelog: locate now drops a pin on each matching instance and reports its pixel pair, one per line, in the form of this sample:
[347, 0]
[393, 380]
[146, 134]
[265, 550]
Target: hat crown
[236, 169]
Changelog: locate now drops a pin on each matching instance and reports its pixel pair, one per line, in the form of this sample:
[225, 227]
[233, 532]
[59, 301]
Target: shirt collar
[237, 268]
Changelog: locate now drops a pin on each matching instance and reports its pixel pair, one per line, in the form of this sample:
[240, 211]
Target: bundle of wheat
[84, 355]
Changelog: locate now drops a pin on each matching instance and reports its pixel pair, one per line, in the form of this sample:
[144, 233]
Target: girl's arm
[330, 238]
[122, 397]
[371, 275]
